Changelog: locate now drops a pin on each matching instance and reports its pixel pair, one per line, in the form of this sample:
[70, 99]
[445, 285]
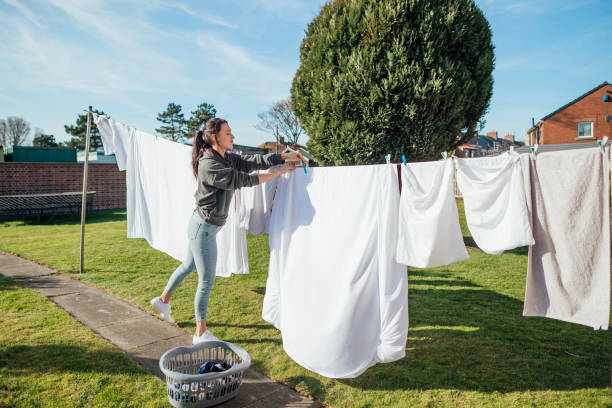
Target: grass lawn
[48, 359]
[468, 344]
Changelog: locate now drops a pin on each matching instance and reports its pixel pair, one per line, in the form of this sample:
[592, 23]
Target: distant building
[272, 147]
[305, 153]
[34, 154]
[491, 144]
[585, 119]
[241, 149]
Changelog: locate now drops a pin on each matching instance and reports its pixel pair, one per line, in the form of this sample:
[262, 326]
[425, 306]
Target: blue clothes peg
[404, 160]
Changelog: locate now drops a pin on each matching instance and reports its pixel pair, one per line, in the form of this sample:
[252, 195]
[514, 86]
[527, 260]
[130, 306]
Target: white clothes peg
[602, 142]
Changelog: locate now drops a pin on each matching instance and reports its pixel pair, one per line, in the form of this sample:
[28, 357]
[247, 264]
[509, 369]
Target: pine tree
[199, 117]
[175, 126]
[43, 140]
[79, 133]
[406, 77]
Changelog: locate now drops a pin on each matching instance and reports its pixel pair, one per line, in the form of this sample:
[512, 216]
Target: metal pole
[84, 202]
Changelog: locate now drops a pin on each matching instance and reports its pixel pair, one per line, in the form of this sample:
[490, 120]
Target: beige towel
[568, 272]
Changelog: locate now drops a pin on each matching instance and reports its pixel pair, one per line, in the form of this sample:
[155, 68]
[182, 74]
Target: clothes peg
[512, 149]
[534, 148]
[404, 160]
[388, 158]
[304, 167]
[602, 143]
[444, 154]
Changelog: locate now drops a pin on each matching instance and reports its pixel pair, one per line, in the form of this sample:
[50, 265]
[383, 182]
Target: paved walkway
[140, 335]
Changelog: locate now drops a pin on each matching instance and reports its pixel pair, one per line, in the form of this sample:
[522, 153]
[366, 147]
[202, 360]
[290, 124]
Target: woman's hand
[293, 156]
[285, 168]
[263, 177]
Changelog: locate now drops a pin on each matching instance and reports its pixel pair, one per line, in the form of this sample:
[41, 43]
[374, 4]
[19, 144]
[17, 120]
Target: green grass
[47, 359]
[468, 344]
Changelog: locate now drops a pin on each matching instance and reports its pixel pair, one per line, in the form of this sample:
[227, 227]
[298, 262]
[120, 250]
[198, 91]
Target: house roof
[575, 100]
[272, 145]
[468, 147]
[238, 146]
[488, 142]
[302, 150]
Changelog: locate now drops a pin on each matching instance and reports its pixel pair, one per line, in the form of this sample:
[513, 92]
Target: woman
[219, 173]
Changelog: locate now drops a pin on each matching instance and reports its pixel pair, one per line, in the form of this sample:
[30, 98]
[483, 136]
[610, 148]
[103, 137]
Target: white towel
[494, 202]
[231, 239]
[115, 138]
[429, 231]
[568, 274]
[259, 204]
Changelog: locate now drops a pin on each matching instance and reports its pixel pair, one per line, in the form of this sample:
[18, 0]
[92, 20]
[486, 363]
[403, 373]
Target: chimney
[509, 137]
[493, 134]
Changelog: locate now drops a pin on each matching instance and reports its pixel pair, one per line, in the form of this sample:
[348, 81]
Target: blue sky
[131, 58]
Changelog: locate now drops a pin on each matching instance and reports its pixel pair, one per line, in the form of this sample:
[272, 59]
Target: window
[585, 130]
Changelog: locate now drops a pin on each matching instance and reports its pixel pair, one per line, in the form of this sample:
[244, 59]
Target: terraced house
[585, 119]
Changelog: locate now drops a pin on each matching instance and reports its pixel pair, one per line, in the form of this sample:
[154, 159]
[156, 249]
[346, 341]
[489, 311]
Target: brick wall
[40, 178]
[562, 127]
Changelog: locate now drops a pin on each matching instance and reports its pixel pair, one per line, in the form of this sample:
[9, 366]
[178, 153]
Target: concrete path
[140, 335]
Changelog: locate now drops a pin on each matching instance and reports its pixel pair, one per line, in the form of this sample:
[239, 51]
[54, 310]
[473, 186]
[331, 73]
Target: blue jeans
[201, 254]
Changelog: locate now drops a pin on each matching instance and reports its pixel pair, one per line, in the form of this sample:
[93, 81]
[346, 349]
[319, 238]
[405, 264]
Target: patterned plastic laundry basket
[187, 388]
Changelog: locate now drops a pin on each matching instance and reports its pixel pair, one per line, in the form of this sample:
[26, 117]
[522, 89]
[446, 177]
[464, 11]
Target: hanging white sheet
[334, 289]
[494, 202]
[160, 195]
[429, 231]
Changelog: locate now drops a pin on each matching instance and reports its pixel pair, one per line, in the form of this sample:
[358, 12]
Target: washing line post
[84, 201]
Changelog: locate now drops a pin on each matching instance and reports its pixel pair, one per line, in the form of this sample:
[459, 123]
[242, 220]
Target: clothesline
[329, 254]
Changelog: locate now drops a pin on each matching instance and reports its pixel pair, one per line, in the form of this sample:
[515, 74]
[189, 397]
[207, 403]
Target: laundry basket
[187, 388]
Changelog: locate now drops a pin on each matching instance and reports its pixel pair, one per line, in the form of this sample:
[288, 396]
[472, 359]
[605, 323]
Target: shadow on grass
[469, 241]
[519, 251]
[192, 325]
[463, 283]
[477, 340]
[308, 384]
[53, 358]
[7, 283]
[278, 342]
[72, 219]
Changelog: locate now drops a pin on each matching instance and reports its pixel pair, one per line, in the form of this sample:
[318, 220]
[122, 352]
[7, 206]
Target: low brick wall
[40, 178]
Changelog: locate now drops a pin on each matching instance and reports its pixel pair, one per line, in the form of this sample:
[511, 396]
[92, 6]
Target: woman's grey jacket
[218, 177]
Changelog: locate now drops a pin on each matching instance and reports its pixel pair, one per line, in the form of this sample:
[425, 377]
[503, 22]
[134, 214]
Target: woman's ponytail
[203, 141]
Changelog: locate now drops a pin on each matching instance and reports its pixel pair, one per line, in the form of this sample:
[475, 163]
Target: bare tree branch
[15, 131]
[281, 122]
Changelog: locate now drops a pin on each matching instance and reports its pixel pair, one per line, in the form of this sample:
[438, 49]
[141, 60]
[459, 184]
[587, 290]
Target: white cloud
[129, 60]
[25, 11]
[236, 68]
[208, 18]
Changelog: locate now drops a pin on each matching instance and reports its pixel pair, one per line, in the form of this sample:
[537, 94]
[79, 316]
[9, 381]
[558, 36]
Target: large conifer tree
[174, 125]
[79, 133]
[408, 77]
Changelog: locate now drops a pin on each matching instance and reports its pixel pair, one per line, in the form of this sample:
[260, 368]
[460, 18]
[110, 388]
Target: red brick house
[585, 119]
[273, 147]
